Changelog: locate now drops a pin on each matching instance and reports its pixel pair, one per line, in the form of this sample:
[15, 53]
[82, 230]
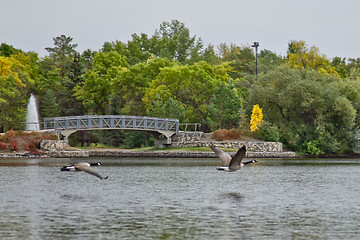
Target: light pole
[256, 45]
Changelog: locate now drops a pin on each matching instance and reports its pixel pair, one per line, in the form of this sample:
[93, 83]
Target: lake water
[180, 199]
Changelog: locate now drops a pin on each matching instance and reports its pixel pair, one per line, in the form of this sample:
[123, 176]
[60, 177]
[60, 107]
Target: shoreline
[128, 153]
[139, 154]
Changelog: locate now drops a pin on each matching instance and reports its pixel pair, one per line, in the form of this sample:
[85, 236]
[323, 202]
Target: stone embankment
[255, 149]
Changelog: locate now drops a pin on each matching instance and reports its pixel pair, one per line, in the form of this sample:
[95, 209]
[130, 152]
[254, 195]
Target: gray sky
[331, 25]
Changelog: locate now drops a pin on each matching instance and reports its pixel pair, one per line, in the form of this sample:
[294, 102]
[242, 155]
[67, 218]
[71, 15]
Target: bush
[13, 144]
[9, 135]
[19, 140]
[3, 146]
[31, 145]
[224, 134]
[269, 132]
[355, 141]
[311, 148]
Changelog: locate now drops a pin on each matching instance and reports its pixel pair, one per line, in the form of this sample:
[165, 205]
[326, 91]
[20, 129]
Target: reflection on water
[180, 199]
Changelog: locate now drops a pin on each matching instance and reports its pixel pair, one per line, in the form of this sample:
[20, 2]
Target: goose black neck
[95, 164]
[252, 161]
[65, 168]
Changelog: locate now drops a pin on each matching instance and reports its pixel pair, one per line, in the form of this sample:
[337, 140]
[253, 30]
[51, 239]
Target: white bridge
[160, 126]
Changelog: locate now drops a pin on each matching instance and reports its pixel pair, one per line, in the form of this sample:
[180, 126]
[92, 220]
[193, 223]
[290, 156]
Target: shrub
[3, 146]
[20, 140]
[13, 144]
[311, 148]
[9, 135]
[269, 132]
[224, 134]
[355, 141]
[31, 145]
[219, 134]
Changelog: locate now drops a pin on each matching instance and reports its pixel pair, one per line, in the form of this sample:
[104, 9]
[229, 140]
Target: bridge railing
[111, 122]
[193, 127]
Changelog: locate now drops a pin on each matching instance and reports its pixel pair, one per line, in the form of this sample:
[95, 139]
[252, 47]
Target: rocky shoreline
[61, 149]
[139, 154]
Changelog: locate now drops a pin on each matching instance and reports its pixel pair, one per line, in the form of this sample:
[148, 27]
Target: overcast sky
[331, 25]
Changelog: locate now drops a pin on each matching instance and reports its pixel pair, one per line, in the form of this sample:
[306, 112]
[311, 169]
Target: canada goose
[85, 167]
[230, 163]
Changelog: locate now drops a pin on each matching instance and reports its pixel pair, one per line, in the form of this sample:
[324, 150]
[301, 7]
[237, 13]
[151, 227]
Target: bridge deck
[111, 122]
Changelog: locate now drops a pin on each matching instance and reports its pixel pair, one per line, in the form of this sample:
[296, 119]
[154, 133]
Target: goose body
[85, 167]
[230, 163]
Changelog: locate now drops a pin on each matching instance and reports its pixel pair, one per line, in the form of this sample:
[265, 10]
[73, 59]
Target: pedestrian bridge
[160, 126]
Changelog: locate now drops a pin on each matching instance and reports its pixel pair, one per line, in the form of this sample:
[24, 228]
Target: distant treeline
[309, 102]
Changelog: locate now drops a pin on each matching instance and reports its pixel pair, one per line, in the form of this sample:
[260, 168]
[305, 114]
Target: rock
[53, 145]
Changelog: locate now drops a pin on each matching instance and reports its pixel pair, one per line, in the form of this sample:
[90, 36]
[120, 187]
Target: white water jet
[32, 116]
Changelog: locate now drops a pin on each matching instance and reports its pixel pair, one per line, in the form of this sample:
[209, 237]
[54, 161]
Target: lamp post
[256, 45]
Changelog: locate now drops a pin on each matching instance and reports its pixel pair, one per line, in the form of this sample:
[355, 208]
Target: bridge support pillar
[161, 143]
[163, 138]
[67, 133]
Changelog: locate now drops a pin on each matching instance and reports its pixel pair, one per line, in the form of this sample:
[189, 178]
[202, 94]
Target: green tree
[340, 66]
[226, 107]
[74, 78]
[139, 49]
[173, 41]
[7, 50]
[117, 46]
[311, 110]
[166, 109]
[191, 85]
[131, 86]
[49, 106]
[96, 93]
[62, 53]
[17, 74]
[49, 80]
[241, 59]
[269, 60]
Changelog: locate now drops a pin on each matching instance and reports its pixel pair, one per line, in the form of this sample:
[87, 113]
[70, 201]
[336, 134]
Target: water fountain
[32, 117]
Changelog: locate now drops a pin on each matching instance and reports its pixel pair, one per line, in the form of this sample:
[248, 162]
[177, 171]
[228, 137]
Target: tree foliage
[166, 109]
[172, 41]
[302, 57]
[17, 77]
[62, 52]
[96, 91]
[311, 110]
[191, 85]
[226, 108]
[256, 118]
[310, 103]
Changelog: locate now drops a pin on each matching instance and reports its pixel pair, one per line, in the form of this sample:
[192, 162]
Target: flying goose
[230, 163]
[85, 167]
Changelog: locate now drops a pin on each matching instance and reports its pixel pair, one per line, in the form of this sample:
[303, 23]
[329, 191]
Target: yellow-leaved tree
[256, 118]
[302, 57]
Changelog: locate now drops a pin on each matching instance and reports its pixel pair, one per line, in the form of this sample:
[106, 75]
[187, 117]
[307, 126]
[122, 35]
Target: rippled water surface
[180, 199]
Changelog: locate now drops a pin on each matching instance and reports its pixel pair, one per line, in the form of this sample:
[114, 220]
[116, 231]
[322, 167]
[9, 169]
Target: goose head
[96, 164]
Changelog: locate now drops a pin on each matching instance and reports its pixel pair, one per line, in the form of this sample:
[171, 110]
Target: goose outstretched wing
[224, 156]
[85, 167]
[235, 163]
